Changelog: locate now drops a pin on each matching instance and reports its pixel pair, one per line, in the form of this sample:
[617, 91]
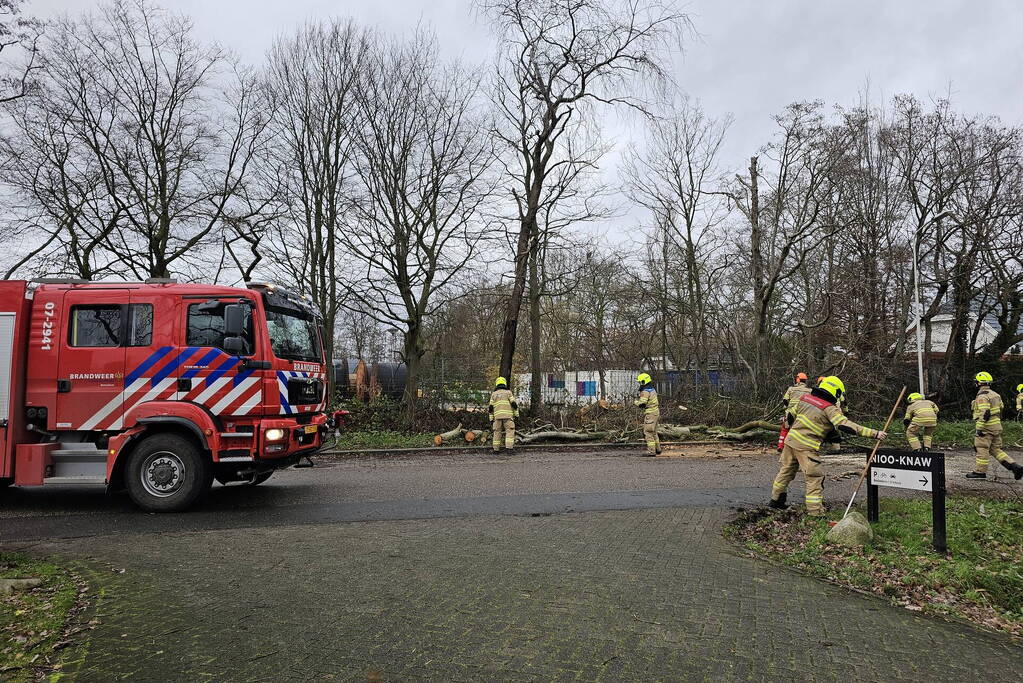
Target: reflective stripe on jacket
[923, 413]
[648, 399]
[987, 411]
[502, 405]
[814, 417]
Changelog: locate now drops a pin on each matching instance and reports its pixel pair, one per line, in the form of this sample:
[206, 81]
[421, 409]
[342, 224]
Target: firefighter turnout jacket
[503, 405]
[648, 401]
[815, 416]
[987, 411]
[793, 394]
[922, 412]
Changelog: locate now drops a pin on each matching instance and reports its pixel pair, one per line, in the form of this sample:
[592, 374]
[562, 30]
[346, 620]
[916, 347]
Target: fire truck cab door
[90, 366]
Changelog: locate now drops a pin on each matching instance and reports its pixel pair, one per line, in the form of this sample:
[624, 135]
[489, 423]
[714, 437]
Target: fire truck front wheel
[167, 473]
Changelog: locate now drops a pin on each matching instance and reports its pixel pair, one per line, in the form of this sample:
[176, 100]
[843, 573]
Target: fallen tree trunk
[752, 435]
[673, 431]
[757, 424]
[447, 436]
[561, 436]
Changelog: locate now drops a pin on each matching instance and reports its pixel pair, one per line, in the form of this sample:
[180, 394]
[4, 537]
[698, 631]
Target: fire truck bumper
[286, 440]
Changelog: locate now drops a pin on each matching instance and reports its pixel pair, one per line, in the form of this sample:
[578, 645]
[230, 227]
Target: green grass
[948, 434]
[372, 439]
[981, 579]
[32, 622]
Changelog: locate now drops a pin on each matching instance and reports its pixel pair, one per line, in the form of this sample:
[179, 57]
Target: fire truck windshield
[293, 335]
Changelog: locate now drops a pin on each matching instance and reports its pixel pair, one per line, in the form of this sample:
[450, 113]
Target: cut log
[471, 436]
[698, 428]
[561, 436]
[447, 436]
[673, 431]
[757, 424]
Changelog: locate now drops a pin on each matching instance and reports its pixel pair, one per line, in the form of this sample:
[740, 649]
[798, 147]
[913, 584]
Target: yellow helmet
[500, 382]
[915, 396]
[1019, 388]
[833, 386]
[644, 378]
[984, 378]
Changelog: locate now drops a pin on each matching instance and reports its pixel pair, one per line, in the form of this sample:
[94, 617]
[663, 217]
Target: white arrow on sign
[901, 479]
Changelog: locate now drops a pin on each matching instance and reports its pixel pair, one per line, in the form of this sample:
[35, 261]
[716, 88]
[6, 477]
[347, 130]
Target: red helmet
[801, 377]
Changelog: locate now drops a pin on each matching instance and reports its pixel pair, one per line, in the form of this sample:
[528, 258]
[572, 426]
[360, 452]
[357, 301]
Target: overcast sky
[751, 59]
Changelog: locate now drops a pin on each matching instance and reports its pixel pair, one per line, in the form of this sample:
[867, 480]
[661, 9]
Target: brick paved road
[624, 595]
[487, 592]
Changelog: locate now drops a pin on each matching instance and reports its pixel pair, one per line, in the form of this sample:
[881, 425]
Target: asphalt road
[429, 486]
[408, 487]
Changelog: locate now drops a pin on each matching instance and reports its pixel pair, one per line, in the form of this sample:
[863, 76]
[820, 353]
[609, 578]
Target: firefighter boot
[779, 502]
[1014, 467]
[976, 475]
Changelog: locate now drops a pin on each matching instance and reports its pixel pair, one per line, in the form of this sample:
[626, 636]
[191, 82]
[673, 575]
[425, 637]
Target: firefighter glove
[980, 434]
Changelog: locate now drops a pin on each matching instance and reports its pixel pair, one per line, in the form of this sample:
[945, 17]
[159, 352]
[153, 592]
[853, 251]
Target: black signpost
[915, 470]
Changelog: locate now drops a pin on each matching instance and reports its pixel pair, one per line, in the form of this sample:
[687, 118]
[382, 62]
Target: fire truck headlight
[274, 434]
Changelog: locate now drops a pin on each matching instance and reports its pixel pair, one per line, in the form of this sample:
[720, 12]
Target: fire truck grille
[304, 391]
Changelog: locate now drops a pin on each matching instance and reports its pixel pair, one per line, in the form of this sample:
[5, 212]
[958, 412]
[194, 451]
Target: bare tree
[423, 158]
[573, 196]
[559, 59]
[139, 97]
[19, 50]
[791, 217]
[60, 204]
[675, 177]
[312, 78]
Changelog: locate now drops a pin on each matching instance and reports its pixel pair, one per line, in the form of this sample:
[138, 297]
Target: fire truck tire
[167, 473]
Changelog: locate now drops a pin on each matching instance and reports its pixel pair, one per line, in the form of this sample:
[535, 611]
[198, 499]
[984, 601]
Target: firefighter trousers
[504, 433]
[653, 443]
[914, 433]
[987, 446]
[792, 460]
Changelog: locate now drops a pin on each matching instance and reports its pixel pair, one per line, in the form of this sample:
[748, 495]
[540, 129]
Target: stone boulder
[853, 531]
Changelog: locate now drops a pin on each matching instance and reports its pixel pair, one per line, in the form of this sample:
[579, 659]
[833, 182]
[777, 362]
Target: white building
[941, 329]
[578, 387]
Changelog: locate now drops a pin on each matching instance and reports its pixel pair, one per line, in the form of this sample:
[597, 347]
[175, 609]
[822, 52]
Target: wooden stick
[866, 468]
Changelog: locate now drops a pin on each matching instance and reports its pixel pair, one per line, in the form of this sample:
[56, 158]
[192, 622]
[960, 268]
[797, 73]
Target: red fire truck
[156, 387]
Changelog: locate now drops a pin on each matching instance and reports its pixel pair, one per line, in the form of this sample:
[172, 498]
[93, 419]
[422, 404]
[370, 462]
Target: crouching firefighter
[987, 420]
[651, 412]
[503, 410]
[816, 414]
[921, 420]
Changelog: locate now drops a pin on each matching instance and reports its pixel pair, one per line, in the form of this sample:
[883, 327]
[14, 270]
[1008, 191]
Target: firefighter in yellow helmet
[816, 414]
[921, 420]
[503, 410]
[987, 419]
[1019, 401]
[647, 400]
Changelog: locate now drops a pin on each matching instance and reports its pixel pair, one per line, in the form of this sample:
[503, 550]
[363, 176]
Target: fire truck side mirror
[234, 320]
